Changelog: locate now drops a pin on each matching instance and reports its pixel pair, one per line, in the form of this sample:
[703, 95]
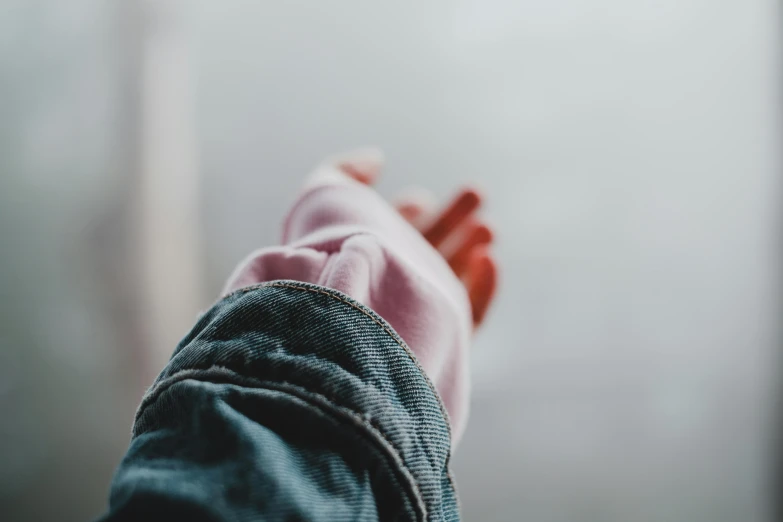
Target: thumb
[359, 165]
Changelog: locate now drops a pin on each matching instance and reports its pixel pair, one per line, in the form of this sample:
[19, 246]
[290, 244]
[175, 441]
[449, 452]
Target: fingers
[456, 232]
[416, 206]
[464, 241]
[481, 283]
[363, 172]
[452, 217]
[476, 234]
[362, 165]
[410, 211]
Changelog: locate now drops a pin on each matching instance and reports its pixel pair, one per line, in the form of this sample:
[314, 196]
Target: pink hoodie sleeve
[341, 234]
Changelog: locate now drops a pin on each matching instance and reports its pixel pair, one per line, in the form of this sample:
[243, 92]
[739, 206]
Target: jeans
[288, 401]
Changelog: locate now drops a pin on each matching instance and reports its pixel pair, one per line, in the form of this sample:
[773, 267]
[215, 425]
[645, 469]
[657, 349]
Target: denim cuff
[335, 354]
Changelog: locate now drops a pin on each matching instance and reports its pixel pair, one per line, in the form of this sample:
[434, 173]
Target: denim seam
[296, 285]
[372, 315]
[361, 420]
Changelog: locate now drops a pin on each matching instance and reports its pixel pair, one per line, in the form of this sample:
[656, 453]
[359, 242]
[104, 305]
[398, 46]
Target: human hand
[455, 230]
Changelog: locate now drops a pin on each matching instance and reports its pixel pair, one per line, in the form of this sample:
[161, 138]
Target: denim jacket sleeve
[288, 401]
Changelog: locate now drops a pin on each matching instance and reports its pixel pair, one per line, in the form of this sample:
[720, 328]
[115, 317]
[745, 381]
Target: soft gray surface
[628, 153]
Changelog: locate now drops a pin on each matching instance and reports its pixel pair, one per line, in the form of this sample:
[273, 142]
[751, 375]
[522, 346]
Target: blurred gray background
[629, 152]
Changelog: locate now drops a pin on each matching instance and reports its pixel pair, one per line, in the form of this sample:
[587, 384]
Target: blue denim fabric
[288, 401]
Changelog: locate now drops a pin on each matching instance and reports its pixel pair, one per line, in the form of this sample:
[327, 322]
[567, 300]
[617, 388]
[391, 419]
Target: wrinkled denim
[288, 401]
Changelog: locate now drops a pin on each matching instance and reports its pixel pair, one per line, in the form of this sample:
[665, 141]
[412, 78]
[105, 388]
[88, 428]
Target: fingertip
[360, 174]
[415, 205]
[471, 197]
[461, 207]
[411, 212]
[477, 234]
[483, 276]
[363, 165]
[483, 234]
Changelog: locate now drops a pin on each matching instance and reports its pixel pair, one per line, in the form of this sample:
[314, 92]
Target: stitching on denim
[309, 287]
[328, 292]
[332, 293]
[160, 388]
[303, 393]
[453, 485]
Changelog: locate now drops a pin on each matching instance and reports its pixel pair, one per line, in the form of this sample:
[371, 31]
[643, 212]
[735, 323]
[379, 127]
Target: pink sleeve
[346, 237]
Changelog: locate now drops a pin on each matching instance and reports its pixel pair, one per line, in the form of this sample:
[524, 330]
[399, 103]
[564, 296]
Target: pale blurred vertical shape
[168, 186]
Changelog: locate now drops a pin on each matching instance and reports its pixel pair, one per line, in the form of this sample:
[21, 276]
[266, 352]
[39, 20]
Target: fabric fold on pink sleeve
[346, 237]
